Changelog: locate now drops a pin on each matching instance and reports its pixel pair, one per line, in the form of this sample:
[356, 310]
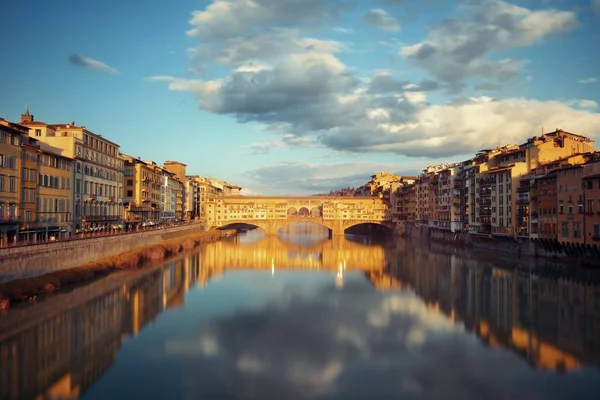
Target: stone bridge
[273, 213]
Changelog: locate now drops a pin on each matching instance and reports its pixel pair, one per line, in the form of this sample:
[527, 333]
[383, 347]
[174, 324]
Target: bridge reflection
[59, 347]
[275, 252]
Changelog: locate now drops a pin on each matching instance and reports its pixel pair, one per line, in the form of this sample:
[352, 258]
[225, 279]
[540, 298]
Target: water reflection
[425, 323]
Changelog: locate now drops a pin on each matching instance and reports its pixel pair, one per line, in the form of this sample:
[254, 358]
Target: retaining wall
[534, 248]
[39, 259]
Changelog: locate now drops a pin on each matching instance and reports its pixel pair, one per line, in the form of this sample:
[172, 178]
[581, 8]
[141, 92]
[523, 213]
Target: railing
[487, 180]
[8, 218]
[94, 235]
[100, 218]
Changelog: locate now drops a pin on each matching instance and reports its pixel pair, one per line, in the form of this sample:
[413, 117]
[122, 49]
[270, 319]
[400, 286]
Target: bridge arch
[303, 212]
[383, 226]
[292, 211]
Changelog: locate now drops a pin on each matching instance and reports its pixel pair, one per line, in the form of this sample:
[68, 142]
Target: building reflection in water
[62, 355]
[60, 346]
[548, 314]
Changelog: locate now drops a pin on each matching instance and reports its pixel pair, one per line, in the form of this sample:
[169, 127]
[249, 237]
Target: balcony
[8, 218]
[485, 193]
[523, 200]
[485, 213]
[523, 189]
[484, 202]
[489, 180]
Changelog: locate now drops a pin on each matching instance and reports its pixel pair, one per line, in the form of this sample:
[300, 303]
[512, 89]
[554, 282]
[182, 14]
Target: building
[169, 196]
[98, 172]
[505, 166]
[178, 169]
[55, 195]
[11, 137]
[547, 206]
[192, 199]
[211, 188]
[29, 186]
[142, 191]
[591, 185]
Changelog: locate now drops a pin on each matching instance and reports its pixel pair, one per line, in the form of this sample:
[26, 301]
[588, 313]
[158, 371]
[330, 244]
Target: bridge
[273, 213]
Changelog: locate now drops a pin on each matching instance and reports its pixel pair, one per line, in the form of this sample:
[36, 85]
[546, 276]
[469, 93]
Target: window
[597, 230]
[590, 206]
[130, 193]
[129, 182]
[565, 229]
[575, 229]
[38, 132]
[12, 162]
[12, 184]
[561, 208]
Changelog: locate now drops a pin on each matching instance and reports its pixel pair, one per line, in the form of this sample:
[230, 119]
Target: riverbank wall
[27, 289]
[551, 249]
[39, 259]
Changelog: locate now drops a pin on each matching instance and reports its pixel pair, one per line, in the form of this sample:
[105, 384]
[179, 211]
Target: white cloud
[459, 49]
[300, 177]
[88, 62]
[339, 29]
[587, 104]
[588, 80]
[297, 86]
[381, 19]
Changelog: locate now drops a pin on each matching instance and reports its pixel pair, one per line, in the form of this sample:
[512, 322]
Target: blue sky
[303, 96]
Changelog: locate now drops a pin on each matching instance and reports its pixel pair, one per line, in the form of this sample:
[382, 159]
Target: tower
[27, 117]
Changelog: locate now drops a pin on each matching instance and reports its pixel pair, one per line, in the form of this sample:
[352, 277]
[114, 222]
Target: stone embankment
[551, 249]
[27, 289]
[42, 258]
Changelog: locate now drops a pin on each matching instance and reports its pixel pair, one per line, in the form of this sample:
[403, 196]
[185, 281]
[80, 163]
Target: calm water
[301, 316]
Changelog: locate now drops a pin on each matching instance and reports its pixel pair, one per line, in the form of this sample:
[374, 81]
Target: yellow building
[11, 137]
[142, 191]
[29, 181]
[98, 171]
[55, 195]
[505, 168]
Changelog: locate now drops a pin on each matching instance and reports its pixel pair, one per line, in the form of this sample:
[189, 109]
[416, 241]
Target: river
[302, 316]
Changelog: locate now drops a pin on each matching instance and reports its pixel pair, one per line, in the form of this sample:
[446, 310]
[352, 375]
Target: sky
[290, 97]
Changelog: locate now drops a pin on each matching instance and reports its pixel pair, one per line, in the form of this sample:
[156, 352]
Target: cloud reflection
[339, 344]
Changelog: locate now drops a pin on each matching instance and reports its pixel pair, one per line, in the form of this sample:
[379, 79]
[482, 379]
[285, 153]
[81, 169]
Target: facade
[29, 186]
[192, 200]
[514, 191]
[570, 204]
[178, 169]
[98, 172]
[142, 191]
[547, 206]
[169, 191]
[55, 195]
[591, 185]
[11, 137]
